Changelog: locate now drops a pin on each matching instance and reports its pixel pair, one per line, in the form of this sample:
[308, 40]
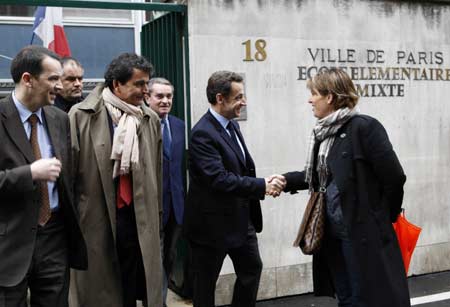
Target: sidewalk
[431, 290]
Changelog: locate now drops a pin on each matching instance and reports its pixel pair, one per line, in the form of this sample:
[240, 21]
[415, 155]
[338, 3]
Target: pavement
[431, 290]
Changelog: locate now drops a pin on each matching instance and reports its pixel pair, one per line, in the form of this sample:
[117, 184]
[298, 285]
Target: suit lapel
[15, 129]
[248, 158]
[233, 146]
[53, 130]
[172, 134]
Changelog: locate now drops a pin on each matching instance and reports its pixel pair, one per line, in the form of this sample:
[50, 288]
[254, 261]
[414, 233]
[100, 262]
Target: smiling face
[44, 87]
[160, 99]
[230, 107]
[134, 90]
[322, 105]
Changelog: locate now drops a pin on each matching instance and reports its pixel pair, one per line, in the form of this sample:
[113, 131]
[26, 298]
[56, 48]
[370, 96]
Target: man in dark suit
[223, 212]
[173, 130]
[40, 237]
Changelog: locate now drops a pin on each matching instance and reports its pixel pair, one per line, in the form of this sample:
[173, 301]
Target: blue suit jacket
[173, 173]
[224, 192]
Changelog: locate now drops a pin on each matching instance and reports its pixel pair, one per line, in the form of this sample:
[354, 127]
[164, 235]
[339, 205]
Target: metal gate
[164, 43]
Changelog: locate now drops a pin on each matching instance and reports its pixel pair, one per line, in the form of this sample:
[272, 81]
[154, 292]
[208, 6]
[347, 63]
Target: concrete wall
[383, 41]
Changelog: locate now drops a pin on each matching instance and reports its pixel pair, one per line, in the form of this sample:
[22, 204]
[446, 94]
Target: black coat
[223, 191]
[19, 194]
[370, 180]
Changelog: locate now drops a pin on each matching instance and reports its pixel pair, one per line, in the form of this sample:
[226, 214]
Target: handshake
[275, 184]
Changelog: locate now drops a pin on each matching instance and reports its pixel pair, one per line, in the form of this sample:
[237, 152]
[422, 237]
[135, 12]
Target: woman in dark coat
[359, 260]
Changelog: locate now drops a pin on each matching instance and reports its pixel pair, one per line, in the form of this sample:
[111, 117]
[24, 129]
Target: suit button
[33, 229]
[344, 154]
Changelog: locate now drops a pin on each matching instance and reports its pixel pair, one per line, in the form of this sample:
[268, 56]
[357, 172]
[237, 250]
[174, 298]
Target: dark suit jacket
[19, 196]
[173, 177]
[223, 191]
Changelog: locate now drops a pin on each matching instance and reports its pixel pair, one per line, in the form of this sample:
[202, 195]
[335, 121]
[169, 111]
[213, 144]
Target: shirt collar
[222, 120]
[24, 113]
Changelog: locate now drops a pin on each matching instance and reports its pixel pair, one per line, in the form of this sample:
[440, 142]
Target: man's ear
[27, 79]
[116, 86]
[219, 98]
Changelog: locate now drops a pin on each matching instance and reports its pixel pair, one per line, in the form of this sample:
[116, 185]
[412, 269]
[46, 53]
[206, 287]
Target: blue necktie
[167, 139]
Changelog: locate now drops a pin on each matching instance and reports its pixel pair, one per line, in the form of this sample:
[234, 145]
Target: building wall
[379, 43]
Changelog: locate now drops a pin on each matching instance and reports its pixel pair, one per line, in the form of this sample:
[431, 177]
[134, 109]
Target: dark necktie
[44, 210]
[167, 140]
[233, 136]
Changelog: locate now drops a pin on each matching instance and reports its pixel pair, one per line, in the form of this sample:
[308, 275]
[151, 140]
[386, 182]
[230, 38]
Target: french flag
[48, 26]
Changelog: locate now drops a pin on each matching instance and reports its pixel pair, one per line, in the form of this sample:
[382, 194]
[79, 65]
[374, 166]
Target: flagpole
[32, 38]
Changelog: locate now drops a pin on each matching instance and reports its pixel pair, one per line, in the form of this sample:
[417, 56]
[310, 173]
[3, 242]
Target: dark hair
[121, 68]
[220, 83]
[158, 80]
[336, 82]
[68, 59]
[29, 59]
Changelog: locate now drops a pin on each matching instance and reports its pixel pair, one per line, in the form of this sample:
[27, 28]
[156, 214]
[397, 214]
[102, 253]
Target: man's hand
[45, 169]
[275, 184]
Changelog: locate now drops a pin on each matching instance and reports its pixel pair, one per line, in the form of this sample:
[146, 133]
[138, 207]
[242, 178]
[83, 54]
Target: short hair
[68, 59]
[121, 68]
[220, 83]
[29, 59]
[336, 82]
[158, 80]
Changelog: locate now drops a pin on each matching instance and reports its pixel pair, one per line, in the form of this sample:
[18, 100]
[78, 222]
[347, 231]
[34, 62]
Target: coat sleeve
[205, 161]
[295, 181]
[16, 180]
[385, 164]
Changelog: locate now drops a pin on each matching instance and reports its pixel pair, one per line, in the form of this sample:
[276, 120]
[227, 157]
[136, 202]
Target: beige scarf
[125, 148]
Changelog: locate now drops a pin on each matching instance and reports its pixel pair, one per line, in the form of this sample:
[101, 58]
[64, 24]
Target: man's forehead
[162, 88]
[51, 66]
[72, 67]
[237, 87]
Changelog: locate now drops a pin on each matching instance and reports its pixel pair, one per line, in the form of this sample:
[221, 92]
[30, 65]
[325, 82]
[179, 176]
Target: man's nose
[78, 82]
[145, 88]
[58, 85]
